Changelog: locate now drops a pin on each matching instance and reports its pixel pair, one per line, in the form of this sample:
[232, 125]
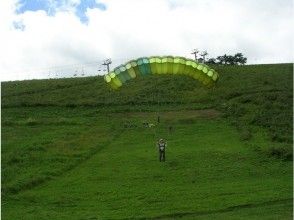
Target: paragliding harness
[161, 147]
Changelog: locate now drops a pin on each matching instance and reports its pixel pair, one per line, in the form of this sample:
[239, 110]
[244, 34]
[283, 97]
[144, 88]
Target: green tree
[211, 61]
[239, 59]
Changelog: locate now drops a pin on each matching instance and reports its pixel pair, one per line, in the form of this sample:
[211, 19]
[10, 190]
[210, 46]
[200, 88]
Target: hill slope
[209, 171]
[256, 94]
[72, 149]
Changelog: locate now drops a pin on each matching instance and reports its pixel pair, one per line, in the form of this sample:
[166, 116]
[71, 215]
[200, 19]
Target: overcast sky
[46, 38]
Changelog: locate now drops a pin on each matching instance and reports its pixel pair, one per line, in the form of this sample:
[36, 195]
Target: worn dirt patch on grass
[183, 114]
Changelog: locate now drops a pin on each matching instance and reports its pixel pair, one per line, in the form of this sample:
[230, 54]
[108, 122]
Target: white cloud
[262, 30]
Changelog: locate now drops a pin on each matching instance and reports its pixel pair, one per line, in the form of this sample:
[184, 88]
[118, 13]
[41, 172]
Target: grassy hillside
[92, 91]
[96, 167]
[255, 94]
[73, 149]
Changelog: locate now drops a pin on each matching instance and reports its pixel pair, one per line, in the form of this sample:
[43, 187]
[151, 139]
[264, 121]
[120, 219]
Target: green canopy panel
[145, 66]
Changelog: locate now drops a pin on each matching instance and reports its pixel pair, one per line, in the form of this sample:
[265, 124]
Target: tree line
[237, 59]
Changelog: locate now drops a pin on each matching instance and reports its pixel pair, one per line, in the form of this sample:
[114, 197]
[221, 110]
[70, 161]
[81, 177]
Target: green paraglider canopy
[145, 66]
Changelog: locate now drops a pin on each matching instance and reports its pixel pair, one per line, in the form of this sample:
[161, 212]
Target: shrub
[14, 160]
[284, 152]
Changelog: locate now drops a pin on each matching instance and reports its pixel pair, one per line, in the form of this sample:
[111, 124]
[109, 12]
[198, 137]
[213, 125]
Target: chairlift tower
[107, 62]
[203, 54]
[195, 52]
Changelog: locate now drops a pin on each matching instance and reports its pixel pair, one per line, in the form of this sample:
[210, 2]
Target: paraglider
[145, 66]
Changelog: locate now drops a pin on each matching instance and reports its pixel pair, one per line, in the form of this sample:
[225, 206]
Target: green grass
[209, 170]
[254, 94]
[72, 149]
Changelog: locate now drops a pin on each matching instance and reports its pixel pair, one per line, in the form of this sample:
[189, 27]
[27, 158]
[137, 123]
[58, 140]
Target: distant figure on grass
[170, 129]
[161, 147]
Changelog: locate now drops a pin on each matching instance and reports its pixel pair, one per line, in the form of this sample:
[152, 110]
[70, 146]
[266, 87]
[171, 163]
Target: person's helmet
[160, 139]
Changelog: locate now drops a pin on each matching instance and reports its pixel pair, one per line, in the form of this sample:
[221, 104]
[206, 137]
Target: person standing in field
[161, 147]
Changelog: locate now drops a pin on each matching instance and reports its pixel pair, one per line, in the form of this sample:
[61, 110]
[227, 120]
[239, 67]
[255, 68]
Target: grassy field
[72, 149]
